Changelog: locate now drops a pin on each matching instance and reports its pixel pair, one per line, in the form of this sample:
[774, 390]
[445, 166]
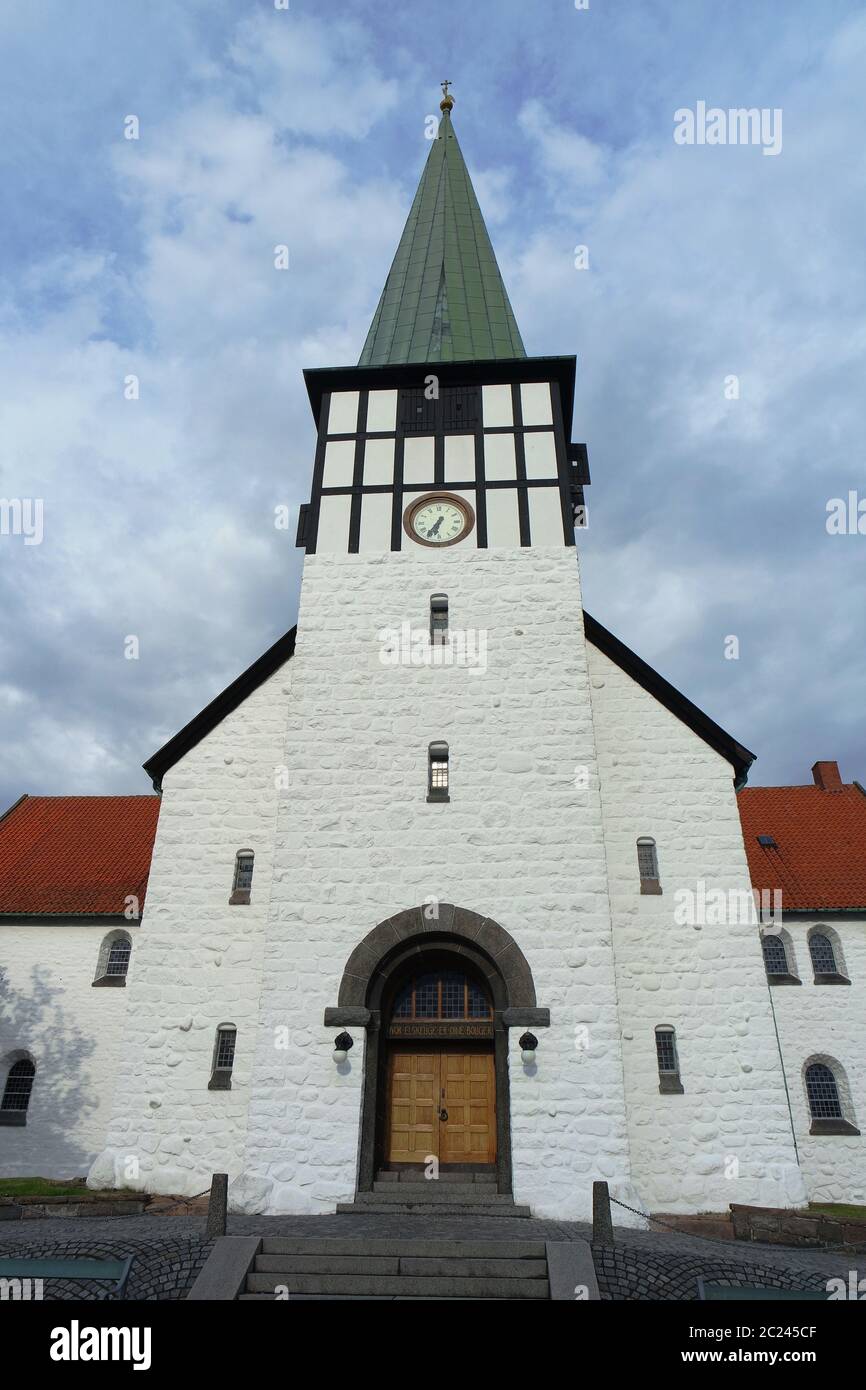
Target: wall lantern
[528, 1043]
[342, 1043]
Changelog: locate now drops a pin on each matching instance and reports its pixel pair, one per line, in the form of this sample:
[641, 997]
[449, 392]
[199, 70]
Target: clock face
[440, 519]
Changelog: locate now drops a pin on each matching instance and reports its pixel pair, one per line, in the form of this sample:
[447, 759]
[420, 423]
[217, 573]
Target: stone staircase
[362, 1267]
[409, 1192]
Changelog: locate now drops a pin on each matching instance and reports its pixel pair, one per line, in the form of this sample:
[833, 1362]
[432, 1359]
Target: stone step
[479, 1190]
[451, 1267]
[400, 1285]
[408, 1207]
[364, 1298]
[413, 1192]
[402, 1248]
[414, 1175]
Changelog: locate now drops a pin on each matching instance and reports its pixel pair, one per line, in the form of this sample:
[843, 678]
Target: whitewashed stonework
[199, 960]
[73, 1033]
[821, 1022]
[559, 761]
[727, 1137]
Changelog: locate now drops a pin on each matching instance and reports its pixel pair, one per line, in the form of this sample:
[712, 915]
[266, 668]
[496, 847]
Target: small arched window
[668, 1060]
[437, 772]
[775, 958]
[114, 956]
[823, 956]
[16, 1092]
[828, 1097]
[243, 879]
[223, 1058]
[648, 865]
[823, 1093]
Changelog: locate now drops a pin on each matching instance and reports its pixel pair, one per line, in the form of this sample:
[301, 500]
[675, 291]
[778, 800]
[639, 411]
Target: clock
[438, 518]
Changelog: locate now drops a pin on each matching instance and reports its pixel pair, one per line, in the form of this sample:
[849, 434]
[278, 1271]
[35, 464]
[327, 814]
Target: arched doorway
[424, 941]
[440, 1084]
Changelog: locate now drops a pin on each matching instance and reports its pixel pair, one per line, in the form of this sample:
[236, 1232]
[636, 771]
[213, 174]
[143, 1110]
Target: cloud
[155, 259]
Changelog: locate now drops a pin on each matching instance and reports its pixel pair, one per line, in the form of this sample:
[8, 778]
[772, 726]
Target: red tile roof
[820, 859]
[72, 855]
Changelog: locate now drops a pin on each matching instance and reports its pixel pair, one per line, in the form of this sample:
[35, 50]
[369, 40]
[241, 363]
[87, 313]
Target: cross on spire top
[447, 101]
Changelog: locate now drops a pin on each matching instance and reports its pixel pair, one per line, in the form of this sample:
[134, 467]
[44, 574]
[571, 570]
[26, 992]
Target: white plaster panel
[499, 461]
[376, 510]
[540, 454]
[343, 414]
[496, 406]
[339, 469]
[418, 459]
[381, 410]
[379, 461]
[503, 520]
[535, 403]
[334, 515]
[545, 516]
[459, 458]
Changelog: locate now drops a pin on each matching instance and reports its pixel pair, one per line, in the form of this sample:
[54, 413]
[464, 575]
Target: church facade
[419, 890]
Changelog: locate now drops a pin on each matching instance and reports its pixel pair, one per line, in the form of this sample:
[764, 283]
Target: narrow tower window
[223, 1058]
[438, 619]
[16, 1093]
[648, 865]
[437, 777]
[243, 880]
[669, 1066]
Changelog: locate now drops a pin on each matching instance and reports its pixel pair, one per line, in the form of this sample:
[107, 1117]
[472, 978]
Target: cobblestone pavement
[642, 1264]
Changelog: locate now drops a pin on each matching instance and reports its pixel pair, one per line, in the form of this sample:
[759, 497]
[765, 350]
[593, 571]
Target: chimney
[827, 777]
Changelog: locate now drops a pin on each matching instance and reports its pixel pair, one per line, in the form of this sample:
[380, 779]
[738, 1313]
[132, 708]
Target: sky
[718, 317]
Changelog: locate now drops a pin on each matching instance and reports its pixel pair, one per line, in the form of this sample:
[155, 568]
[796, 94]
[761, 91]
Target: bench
[108, 1271]
[757, 1293]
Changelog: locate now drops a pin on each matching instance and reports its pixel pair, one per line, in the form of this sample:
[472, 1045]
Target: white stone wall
[728, 1137]
[357, 842]
[198, 962]
[71, 1031]
[817, 1022]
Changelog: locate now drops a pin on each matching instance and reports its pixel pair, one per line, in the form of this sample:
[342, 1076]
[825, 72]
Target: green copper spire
[444, 300]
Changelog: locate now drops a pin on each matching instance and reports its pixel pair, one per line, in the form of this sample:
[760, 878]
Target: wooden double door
[441, 1103]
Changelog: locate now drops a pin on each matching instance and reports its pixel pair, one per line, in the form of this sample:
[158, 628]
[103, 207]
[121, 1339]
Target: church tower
[440, 947]
[442, 833]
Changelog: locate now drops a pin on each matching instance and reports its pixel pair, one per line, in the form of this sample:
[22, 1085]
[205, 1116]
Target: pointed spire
[444, 299]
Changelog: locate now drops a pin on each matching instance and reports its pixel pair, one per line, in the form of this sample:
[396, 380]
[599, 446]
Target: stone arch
[435, 929]
[462, 929]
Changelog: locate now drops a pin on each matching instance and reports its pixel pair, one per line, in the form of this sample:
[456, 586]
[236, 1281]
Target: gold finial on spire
[447, 101]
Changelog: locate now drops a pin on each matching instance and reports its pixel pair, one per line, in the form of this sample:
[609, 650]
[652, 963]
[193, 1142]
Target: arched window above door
[441, 995]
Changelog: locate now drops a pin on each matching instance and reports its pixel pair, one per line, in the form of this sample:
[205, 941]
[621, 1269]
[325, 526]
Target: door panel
[424, 1085]
[413, 1120]
[468, 1095]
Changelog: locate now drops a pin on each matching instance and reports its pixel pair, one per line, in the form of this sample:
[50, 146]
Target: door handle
[443, 1114]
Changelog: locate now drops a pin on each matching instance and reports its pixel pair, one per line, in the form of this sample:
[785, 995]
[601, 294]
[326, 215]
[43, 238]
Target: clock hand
[434, 528]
